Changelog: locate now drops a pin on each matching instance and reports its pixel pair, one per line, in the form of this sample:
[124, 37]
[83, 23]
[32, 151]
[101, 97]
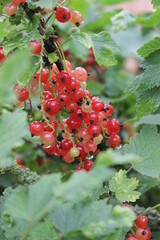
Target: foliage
[46, 198]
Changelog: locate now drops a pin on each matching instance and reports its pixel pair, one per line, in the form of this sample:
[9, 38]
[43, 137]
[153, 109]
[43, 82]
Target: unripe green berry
[74, 152]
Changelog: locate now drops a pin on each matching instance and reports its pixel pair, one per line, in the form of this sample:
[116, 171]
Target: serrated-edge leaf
[149, 47]
[124, 187]
[147, 145]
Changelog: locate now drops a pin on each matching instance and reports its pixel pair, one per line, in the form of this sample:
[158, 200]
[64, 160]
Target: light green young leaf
[52, 57]
[12, 128]
[123, 187]
[147, 145]
[149, 47]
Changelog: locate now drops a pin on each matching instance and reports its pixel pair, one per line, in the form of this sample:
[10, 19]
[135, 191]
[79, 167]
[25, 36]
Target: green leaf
[52, 57]
[28, 203]
[43, 231]
[149, 47]
[93, 220]
[49, 4]
[103, 46]
[122, 20]
[149, 21]
[12, 70]
[123, 187]
[12, 128]
[4, 29]
[80, 6]
[156, 3]
[147, 145]
[147, 85]
[150, 119]
[93, 180]
[3, 4]
[83, 38]
[111, 158]
[146, 183]
[95, 88]
[147, 101]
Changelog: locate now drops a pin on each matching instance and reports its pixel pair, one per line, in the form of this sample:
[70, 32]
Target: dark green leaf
[147, 145]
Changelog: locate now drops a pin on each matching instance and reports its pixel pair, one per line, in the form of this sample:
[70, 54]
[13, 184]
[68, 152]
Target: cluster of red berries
[88, 122]
[142, 232]
[62, 14]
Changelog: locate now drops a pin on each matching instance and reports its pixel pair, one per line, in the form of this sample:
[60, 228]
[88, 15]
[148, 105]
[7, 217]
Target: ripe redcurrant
[142, 222]
[63, 14]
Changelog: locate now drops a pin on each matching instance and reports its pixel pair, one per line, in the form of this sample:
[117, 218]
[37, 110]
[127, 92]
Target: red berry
[88, 164]
[90, 146]
[63, 14]
[83, 154]
[79, 114]
[63, 78]
[36, 47]
[142, 222]
[113, 126]
[94, 130]
[44, 76]
[47, 95]
[92, 118]
[11, 9]
[79, 96]
[81, 74]
[97, 105]
[79, 169]
[83, 134]
[76, 18]
[50, 149]
[74, 86]
[73, 124]
[51, 127]
[66, 144]
[22, 94]
[2, 56]
[143, 234]
[18, 2]
[67, 158]
[72, 107]
[19, 161]
[108, 110]
[52, 107]
[36, 128]
[114, 140]
[47, 138]
[63, 98]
